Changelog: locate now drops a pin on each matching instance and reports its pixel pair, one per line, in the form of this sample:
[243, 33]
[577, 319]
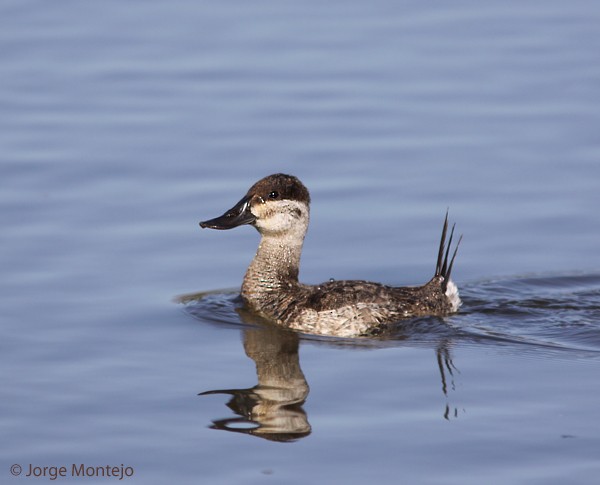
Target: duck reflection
[273, 408]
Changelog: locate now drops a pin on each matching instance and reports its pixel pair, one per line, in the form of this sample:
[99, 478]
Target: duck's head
[277, 204]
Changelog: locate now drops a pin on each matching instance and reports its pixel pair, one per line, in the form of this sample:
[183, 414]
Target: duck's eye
[274, 195]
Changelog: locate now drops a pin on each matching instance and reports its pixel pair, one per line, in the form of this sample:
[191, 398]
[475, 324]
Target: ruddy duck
[278, 207]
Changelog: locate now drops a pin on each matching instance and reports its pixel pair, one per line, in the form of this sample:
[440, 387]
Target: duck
[278, 206]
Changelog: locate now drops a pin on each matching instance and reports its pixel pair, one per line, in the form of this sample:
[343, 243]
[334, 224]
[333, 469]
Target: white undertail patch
[453, 296]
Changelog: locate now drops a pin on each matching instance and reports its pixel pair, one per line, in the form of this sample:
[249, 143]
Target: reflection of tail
[442, 267]
[446, 367]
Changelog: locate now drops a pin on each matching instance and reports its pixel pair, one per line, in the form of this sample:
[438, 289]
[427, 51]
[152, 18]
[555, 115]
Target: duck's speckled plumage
[278, 206]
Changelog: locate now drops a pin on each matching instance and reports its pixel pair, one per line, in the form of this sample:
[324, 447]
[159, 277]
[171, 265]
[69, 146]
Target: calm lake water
[123, 124]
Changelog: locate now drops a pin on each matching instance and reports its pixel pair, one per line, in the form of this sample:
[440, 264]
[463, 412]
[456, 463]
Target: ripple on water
[558, 312]
[561, 311]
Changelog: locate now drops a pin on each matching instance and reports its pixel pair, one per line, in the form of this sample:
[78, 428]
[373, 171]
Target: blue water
[123, 124]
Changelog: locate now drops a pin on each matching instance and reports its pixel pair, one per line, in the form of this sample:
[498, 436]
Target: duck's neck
[273, 271]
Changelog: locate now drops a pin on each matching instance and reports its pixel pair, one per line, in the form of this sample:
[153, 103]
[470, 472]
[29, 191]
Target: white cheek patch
[275, 221]
[280, 215]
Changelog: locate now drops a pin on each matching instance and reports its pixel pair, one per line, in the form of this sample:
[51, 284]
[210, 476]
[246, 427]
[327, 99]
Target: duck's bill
[236, 216]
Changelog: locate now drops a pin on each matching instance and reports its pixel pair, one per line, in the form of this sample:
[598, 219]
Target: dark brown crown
[280, 186]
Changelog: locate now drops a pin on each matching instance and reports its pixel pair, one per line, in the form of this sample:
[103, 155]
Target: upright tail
[443, 268]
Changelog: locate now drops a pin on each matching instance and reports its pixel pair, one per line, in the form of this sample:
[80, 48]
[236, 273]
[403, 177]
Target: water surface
[124, 124]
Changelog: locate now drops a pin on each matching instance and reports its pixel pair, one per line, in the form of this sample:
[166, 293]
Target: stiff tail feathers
[443, 267]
